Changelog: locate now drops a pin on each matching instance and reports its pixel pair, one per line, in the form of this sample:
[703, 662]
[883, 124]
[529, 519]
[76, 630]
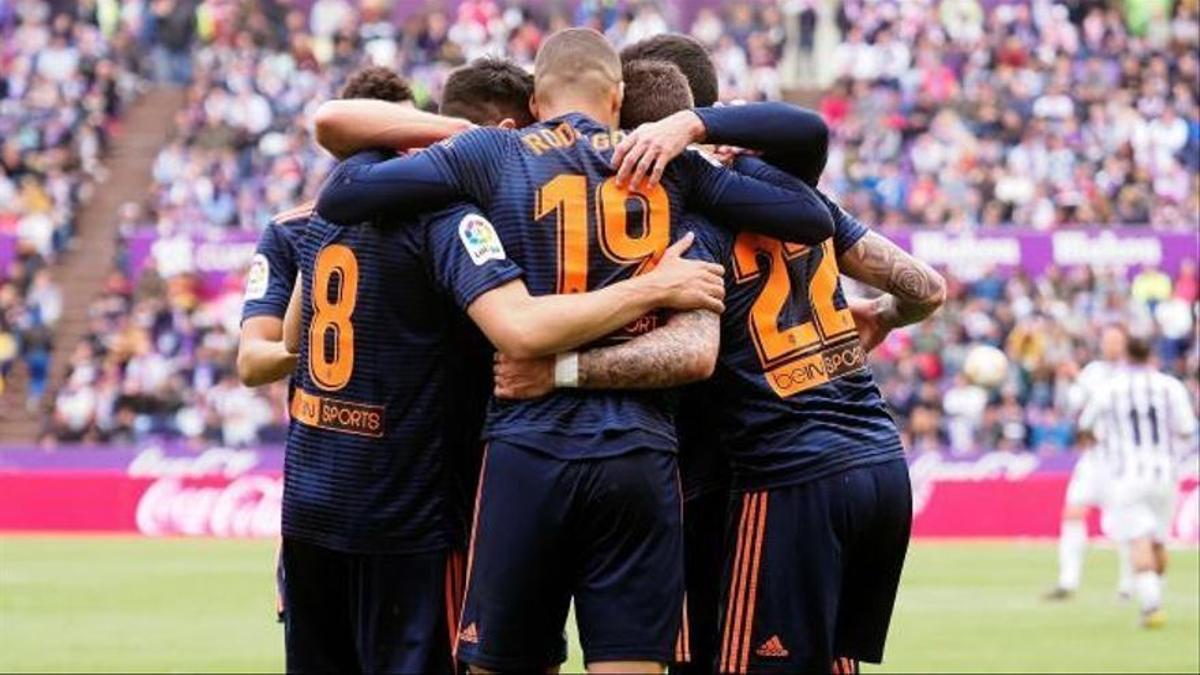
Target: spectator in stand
[172, 28]
[64, 82]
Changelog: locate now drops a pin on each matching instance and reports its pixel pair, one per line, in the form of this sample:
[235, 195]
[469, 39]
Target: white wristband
[566, 370]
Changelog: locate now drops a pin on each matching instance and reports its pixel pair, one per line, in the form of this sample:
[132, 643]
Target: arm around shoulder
[344, 127]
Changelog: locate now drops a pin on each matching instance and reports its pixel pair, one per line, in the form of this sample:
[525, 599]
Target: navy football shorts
[369, 613]
[704, 519]
[812, 570]
[604, 531]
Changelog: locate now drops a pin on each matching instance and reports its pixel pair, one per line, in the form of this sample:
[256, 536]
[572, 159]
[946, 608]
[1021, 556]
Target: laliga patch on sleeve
[480, 239]
[257, 278]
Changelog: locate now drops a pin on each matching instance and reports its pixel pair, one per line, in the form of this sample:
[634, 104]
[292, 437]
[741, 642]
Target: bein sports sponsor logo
[802, 374]
[929, 468]
[156, 463]
[246, 507]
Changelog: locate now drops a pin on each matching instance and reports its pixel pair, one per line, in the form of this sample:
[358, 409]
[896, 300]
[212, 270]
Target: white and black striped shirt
[1142, 420]
[1094, 377]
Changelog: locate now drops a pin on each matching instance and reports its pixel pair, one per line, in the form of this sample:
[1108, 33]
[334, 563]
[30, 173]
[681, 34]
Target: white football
[986, 366]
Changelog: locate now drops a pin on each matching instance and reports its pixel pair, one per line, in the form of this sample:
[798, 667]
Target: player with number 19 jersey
[819, 522]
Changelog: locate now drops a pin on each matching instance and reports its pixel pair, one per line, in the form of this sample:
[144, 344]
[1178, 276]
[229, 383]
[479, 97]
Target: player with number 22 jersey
[821, 510]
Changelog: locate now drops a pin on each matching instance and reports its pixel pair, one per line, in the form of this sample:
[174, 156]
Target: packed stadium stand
[948, 116]
[67, 79]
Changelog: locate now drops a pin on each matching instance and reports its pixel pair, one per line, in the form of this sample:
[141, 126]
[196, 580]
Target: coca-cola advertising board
[219, 492]
[156, 491]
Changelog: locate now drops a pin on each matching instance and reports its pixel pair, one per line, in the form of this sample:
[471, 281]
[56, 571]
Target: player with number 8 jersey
[372, 532]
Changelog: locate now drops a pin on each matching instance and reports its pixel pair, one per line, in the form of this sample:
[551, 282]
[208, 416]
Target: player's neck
[599, 112]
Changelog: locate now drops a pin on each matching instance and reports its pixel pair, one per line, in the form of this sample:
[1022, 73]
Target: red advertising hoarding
[220, 492]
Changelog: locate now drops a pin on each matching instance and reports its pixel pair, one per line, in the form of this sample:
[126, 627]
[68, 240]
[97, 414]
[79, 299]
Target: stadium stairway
[145, 128]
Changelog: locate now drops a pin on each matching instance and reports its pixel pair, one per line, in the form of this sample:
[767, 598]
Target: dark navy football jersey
[703, 466]
[587, 234]
[792, 390]
[272, 273]
[451, 237]
[368, 463]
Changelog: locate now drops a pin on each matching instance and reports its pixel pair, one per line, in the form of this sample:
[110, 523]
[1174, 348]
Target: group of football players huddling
[537, 360]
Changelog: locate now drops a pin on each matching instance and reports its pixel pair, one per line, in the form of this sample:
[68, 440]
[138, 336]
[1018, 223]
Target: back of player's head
[488, 91]
[687, 54]
[1138, 348]
[1112, 342]
[653, 90]
[577, 64]
[379, 83]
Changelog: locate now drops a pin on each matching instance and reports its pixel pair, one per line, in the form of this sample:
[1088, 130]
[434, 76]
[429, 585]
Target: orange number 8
[336, 269]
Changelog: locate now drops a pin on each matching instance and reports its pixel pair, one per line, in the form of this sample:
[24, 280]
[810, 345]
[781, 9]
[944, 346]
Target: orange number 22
[776, 344]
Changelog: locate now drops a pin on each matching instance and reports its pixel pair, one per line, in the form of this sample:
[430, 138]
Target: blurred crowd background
[947, 114]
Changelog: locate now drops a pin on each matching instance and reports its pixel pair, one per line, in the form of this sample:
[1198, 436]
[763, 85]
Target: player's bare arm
[523, 326]
[682, 351]
[347, 126]
[262, 357]
[913, 289]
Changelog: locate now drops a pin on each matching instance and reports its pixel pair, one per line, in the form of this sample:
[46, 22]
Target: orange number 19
[565, 196]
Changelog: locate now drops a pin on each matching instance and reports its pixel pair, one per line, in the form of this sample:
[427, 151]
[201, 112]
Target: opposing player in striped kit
[1090, 480]
[1141, 421]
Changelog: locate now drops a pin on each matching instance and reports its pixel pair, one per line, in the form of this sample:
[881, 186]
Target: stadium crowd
[1043, 114]
[1050, 329]
[950, 114]
[65, 80]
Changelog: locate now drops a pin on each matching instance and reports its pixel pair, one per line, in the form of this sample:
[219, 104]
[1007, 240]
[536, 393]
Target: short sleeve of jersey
[466, 256]
[1182, 412]
[272, 274]
[470, 161]
[1096, 406]
[847, 230]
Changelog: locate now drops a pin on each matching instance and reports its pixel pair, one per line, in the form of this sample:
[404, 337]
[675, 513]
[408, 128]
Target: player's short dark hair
[379, 83]
[576, 61]
[653, 90]
[1138, 348]
[488, 90]
[688, 55]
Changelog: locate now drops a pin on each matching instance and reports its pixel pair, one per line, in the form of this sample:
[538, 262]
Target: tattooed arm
[682, 351]
[912, 289]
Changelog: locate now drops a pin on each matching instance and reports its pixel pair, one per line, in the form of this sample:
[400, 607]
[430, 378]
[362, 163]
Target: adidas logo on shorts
[772, 648]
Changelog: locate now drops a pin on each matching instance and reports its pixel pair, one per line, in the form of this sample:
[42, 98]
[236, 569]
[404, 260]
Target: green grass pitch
[126, 604]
